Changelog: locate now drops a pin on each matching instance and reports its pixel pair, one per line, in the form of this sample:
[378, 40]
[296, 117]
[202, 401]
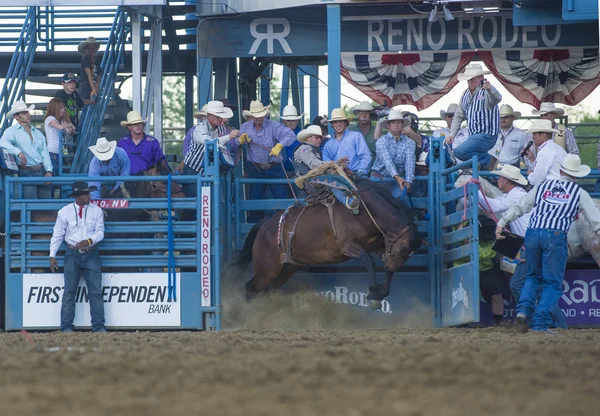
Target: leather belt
[33, 168]
[265, 166]
[86, 250]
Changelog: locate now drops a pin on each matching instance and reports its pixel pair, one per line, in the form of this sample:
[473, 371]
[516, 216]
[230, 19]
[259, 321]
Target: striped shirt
[554, 196]
[480, 118]
[556, 204]
[194, 158]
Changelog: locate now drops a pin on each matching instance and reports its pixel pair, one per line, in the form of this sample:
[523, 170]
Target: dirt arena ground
[258, 368]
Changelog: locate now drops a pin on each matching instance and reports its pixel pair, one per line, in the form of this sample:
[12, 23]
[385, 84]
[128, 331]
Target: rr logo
[270, 35]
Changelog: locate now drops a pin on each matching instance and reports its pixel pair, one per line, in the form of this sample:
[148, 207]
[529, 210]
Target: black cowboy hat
[80, 188]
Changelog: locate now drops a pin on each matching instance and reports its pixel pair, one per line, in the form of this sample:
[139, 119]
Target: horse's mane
[384, 192]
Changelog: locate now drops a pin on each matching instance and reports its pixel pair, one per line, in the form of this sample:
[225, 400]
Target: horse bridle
[393, 241]
[156, 187]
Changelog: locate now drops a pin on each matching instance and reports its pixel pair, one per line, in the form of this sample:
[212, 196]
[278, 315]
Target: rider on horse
[308, 156]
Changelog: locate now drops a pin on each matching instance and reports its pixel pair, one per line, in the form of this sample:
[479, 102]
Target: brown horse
[330, 235]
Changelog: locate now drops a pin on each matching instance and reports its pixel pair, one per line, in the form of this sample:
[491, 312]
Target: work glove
[276, 150]
[244, 138]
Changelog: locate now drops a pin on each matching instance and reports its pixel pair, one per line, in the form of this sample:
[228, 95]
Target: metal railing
[93, 115]
[18, 71]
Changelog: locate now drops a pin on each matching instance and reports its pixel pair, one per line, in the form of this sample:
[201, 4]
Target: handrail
[20, 64]
[93, 115]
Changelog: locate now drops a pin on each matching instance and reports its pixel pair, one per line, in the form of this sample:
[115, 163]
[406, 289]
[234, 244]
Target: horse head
[160, 189]
[399, 246]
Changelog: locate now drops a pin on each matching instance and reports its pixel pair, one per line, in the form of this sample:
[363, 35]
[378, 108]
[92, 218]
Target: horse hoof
[375, 304]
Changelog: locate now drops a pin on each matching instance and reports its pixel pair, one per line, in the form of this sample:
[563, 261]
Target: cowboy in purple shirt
[266, 139]
[143, 150]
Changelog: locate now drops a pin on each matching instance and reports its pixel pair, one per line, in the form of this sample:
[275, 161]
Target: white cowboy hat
[397, 108]
[19, 107]
[337, 114]
[133, 117]
[311, 130]
[542, 126]
[546, 108]
[91, 41]
[422, 159]
[396, 115]
[510, 172]
[451, 110]
[201, 112]
[217, 108]
[571, 165]
[364, 106]
[472, 71]
[257, 110]
[507, 111]
[290, 113]
[103, 150]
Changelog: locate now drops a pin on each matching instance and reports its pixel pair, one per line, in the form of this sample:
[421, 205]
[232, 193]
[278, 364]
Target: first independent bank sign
[302, 36]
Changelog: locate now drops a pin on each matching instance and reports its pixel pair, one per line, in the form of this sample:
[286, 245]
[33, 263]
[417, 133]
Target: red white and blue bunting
[533, 76]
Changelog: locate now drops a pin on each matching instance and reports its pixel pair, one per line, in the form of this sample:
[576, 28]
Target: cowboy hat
[472, 71]
[422, 159]
[311, 130]
[201, 112]
[257, 110]
[290, 113]
[228, 104]
[133, 117]
[571, 165]
[103, 150]
[507, 111]
[337, 114]
[364, 106]
[542, 126]
[451, 110]
[396, 115]
[80, 188]
[510, 172]
[546, 108]
[19, 107]
[217, 108]
[91, 41]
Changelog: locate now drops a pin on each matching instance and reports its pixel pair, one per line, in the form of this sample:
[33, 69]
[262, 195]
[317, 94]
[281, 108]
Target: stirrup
[354, 210]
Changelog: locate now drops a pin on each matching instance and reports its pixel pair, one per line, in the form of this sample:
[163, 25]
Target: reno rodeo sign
[279, 34]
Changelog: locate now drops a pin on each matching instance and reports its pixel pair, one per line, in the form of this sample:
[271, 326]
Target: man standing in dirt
[81, 226]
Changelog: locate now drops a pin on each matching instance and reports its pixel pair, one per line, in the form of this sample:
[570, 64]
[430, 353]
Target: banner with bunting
[564, 76]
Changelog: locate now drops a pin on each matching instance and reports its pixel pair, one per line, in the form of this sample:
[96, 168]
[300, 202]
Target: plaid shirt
[395, 156]
[264, 140]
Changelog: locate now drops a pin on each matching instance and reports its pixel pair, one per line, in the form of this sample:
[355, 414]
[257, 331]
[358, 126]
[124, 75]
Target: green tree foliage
[587, 134]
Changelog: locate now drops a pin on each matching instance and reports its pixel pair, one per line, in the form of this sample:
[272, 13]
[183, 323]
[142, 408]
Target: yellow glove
[276, 150]
[244, 138]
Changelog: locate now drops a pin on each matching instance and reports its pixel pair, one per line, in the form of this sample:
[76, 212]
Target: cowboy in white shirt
[511, 140]
[549, 154]
[511, 183]
[447, 116]
[81, 226]
[564, 136]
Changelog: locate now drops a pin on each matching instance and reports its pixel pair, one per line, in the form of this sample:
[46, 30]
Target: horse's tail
[243, 257]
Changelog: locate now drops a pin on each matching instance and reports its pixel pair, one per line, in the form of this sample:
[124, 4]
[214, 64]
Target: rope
[171, 244]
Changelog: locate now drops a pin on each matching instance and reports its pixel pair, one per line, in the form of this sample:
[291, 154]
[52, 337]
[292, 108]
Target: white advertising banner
[205, 247]
[130, 300]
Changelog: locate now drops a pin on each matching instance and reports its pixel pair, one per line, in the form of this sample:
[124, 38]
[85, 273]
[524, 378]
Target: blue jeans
[260, 191]
[476, 145]
[34, 191]
[189, 189]
[86, 265]
[546, 263]
[393, 187]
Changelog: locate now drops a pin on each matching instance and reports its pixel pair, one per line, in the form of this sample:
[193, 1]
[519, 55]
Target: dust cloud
[298, 307]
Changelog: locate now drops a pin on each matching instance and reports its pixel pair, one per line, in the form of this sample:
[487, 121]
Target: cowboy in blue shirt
[109, 160]
[347, 143]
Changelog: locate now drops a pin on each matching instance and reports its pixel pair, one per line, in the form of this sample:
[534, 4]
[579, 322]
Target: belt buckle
[264, 166]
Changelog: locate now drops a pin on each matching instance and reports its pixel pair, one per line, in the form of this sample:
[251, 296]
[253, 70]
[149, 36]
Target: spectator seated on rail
[28, 145]
[144, 151]
[308, 157]
[395, 157]
[187, 140]
[563, 136]
[265, 139]
[108, 160]
[290, 119]
[90, 70]
[347, 144]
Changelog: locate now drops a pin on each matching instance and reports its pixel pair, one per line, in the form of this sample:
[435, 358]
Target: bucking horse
[326, 232]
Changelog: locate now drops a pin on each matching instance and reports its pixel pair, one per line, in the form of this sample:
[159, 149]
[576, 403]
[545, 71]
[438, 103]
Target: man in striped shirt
[193, 163]
[554, 203]
[479, 106]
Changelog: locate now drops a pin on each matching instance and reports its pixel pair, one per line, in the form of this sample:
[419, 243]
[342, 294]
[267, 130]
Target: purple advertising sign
[580, 301]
